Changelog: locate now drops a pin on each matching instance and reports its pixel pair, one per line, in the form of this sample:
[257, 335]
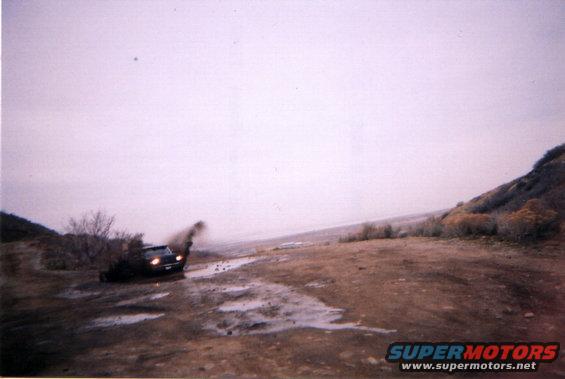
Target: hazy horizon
[266, 118]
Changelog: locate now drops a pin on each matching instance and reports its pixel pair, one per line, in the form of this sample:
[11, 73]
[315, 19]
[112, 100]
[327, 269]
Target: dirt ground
[309, 312]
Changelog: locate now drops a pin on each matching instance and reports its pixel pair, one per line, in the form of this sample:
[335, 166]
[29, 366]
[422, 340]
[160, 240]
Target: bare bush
[90, 242]
[122, 241]
[126, 239]
[531, 222]
[469, 224]
[94, 223]
[90, 235]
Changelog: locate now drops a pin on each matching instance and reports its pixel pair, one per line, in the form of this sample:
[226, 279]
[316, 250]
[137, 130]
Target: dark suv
[146, 260]
[160, 259]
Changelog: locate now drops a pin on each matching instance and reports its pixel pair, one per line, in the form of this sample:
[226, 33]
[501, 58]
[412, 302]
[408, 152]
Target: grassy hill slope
[527, 208]
[545, 182]
[14, 228]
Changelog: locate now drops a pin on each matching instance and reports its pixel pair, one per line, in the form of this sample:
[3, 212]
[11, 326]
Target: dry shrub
[469, 224]
[369, 232]
[348, 238]
[530, 222]
[366, 231]
[384, 231]
[432, 227]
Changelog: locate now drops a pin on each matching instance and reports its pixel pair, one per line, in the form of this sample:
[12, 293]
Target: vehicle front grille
[168, 259]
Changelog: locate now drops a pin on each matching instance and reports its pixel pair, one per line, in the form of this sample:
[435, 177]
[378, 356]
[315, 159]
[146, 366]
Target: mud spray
[182, 241]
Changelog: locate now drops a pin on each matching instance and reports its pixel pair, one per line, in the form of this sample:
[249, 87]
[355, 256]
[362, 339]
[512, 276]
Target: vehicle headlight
[155, 261]
[179, 257]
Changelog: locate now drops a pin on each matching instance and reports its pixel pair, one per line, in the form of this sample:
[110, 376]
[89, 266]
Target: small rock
[373, 361]
[529, 315]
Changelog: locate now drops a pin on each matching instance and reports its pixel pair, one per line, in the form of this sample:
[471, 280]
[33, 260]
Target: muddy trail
[313, 311]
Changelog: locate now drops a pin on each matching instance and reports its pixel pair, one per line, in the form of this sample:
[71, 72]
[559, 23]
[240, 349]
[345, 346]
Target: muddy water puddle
[318, 284]
[262, 307]
[118, 320]
[141, 299]
[204, 271]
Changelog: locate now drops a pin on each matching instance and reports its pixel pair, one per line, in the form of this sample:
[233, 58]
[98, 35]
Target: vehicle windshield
[157, 252]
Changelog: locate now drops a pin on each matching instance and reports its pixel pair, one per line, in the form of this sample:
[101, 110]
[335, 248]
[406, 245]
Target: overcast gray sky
[267, 117]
